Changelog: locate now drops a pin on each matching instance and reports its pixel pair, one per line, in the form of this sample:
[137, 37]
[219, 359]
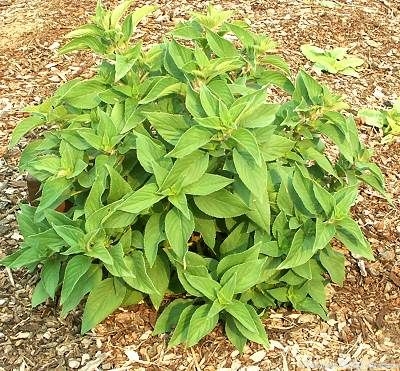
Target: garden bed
[364, 325]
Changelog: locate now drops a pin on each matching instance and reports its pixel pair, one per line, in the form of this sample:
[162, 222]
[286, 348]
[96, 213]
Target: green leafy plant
[188, 180]
[388, 120]
[335, 60]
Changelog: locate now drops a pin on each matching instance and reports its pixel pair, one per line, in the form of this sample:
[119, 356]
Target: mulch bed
[364, 326]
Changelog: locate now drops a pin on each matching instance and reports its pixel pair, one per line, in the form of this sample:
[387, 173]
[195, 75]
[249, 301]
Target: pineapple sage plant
[199, 179]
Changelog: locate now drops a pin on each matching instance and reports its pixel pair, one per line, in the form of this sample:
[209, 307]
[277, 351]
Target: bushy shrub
[197, 170]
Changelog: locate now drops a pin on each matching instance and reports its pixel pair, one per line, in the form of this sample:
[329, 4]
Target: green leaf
[260, 211]
[205, 285]
[277, 146]
[220, 46]
[350, 234]
[153, 235]
[54, 192]
[39, 294]
[247, 273]
[169, 126]
[252, 175]
[301, 250]
[303, 189]
[240, 312]
[206, 226]
[259, 336]
[209, 101]
[180, 334]
[200, 324]
[82, 286]
[234, 335]
[232, 260]
[185, 171]
[142, 12]
[82, 43]
[247, 143]
[324, 198]
[258, 115]
[207, 184]
[166, 85]
[100, 251]
[159, 273]
[119, 187]
[221, 204]
[50, 276]
[85, 94]
[236, 241]
[140, 279]
[104, 299]
[73, 236]
[25, 126]
[227, 291]
[178, 230]
[118, 12]
[324, 233]
[170, 316]
[310, 305]
[124, 63]
[141, 199]
[192, 139]
[333, 262]
[76, 267]
[322, 161]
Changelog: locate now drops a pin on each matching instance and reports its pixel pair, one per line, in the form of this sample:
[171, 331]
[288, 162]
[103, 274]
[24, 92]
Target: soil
[363, 331]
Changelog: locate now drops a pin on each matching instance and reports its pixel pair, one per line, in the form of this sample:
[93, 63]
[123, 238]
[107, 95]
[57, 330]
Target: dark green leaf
[170, 316]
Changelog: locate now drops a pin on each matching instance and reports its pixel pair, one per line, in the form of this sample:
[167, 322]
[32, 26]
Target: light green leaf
[333, 262]
[169, 126]
[221, 204]
[232, 260]
[84, 285]
[205, 285]
[252, 175]
[301, 250]
[277, 146]
[104, 299]
[159, 273]
[85, 94]
[25, 126]
[350, 234]
[178, 230]
[248, 143]
[77, 266]
[164, 86]
[220, 46]
[192, 139]
[140, 279]
[234, 335]
[324, 233]
[141, 199]
[153, 235]
[207, 184]
[39, 294]
[185, 171]
[200, 324]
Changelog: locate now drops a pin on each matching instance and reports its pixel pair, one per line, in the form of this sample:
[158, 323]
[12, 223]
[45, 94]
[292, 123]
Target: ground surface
[364, 329]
